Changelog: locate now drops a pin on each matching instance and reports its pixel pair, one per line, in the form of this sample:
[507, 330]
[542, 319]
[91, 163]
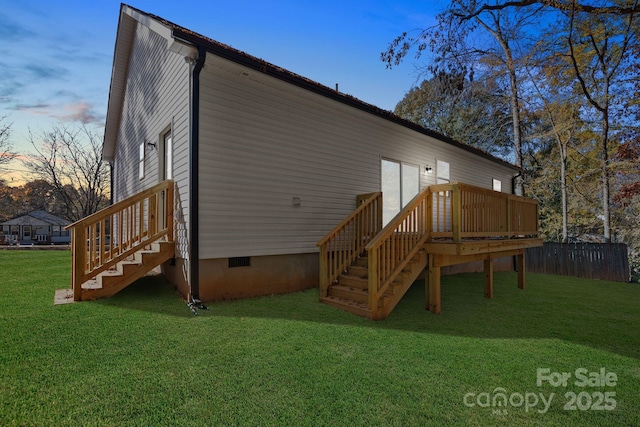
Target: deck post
[520, 265]
[433, 285]
[169, 213]
[79, 260]
[374, 281]
[488, 276]
[323, 270]
[456, 212]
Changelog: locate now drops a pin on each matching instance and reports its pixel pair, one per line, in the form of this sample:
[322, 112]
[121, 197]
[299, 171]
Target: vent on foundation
[242, 261]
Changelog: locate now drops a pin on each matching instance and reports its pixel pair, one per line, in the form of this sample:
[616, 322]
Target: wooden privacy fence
[587, 260]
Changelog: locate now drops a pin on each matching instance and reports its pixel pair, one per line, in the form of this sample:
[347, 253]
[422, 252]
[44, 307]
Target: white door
[400, 183]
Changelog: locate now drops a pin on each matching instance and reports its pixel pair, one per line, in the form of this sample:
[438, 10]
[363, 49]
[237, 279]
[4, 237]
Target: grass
[141, 358]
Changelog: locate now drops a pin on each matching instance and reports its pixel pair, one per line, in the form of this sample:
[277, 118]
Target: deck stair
[124, 273]
[350, 291]
[366, 268]
[118, 245]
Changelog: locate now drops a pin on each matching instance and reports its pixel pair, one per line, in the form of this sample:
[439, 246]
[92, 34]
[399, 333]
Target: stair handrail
[396, 244]
[346, 241]
[128, 225]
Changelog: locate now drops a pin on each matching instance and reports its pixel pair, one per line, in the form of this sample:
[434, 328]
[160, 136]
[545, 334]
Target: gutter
[513, 183]
[194, 187]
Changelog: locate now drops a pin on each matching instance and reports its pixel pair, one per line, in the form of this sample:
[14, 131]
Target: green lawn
[142, 359]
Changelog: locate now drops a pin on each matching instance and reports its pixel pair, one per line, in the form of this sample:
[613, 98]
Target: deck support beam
[438, 260]
[520, 266]
[488, 276]
[432, 291]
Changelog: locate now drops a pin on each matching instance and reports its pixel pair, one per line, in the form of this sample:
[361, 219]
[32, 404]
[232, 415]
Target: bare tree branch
[6, 147]
[69, 158]
[565, 6]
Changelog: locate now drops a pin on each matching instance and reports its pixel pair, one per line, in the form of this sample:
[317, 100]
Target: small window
[141, 161]
[497, 185]
[442, 172]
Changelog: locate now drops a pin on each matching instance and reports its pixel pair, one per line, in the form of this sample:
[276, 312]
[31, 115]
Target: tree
[607, 7]
[6, 147]
[460, 44]
[600, 51]
[467, 111]
[69, 158]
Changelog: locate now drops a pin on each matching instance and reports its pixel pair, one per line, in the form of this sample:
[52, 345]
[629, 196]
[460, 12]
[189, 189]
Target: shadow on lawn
[601, 315]
[153, 294]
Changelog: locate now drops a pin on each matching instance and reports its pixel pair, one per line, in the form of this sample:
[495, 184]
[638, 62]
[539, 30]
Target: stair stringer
[401, 285]
[110, 282]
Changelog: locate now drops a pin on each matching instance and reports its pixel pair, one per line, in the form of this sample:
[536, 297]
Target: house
[240, 168]
[35, 228]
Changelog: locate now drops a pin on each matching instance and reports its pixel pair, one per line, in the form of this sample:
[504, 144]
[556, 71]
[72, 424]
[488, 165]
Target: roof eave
[257, 64]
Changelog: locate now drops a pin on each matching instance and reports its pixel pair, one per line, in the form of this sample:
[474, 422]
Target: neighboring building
[265, 162]
[35, 228]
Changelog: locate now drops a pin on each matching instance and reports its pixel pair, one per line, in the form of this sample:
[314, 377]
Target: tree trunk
[606, 213]
[563, 189]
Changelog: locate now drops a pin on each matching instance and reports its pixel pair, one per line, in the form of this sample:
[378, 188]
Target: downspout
[111, 196]
[513, 183]
[194, 146]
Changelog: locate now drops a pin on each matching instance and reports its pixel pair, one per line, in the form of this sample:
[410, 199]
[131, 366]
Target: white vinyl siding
[156, 99]
[264, 142]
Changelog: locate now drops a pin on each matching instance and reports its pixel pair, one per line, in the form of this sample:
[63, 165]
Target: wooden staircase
[366, 269]
[127, 271]
[350, 291]
[118, 245]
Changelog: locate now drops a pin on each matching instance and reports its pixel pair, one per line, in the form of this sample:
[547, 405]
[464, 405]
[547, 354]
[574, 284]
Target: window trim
[440, 169]
[141, 165]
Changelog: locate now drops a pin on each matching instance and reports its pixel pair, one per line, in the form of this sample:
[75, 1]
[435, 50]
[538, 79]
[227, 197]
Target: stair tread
[350, 306]
[126, 271]
[91, 284]
[349, 288]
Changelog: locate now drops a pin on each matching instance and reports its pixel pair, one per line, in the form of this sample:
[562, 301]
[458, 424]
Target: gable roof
[184, 41]
[39, 215]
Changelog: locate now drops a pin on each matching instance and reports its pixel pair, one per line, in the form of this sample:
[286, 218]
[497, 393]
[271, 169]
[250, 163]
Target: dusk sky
[56, 56]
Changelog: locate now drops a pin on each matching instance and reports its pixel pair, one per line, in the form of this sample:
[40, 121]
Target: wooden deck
[447, 223]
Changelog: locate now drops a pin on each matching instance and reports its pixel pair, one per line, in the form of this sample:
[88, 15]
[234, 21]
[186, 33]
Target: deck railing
[347, 240]
[107, 237]
[462, 211]
[396, 244]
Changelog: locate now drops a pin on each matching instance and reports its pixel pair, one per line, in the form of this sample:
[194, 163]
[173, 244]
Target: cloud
[11, 30]
[82, 112]
[45, 72]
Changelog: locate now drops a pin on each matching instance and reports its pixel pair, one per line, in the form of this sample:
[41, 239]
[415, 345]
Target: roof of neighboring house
[41, 217]
[181, 39]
